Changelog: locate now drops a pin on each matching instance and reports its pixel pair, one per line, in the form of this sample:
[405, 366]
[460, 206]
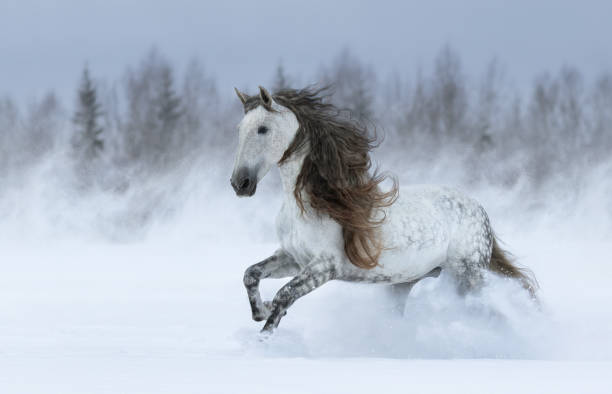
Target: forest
[156, 119]
[157, 122]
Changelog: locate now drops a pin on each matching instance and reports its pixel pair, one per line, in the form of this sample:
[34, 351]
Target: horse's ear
[243, 97]
[266, 98]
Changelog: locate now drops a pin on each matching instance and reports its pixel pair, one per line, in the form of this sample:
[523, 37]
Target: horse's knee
[251, 276]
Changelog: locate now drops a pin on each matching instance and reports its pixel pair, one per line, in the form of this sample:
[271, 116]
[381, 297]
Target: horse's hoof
[264, 313]
[265, 334]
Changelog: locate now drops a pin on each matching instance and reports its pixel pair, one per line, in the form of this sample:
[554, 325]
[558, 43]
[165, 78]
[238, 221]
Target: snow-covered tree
[155, 113]
[87, 141]
[281, 80]
[354, 85]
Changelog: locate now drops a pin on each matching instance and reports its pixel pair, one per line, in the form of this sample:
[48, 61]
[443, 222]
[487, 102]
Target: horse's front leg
[314, 275]
[279, 265]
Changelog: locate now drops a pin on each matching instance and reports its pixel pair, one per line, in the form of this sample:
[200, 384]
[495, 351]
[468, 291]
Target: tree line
[155, 120]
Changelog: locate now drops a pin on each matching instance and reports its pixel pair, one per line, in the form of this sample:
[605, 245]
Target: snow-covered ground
[166, 311]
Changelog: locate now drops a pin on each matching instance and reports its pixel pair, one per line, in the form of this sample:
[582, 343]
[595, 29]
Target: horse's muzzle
[244, 182]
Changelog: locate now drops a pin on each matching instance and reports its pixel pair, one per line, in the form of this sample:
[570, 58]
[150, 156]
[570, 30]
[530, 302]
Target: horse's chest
[305, 236]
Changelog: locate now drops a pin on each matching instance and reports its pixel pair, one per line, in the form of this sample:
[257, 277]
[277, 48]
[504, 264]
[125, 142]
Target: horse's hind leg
[398, 292]
[468, 275]
[470, 252]
[280, 265]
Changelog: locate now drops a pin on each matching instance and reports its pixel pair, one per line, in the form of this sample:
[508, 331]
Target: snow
[212, 374]
[166, 312]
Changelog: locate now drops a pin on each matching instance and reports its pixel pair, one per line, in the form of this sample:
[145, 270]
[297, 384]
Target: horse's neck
[289, 172]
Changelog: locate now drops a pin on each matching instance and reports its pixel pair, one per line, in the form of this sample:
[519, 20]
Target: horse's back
[425, 215]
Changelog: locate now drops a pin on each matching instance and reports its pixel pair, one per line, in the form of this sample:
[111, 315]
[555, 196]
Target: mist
[121, 234]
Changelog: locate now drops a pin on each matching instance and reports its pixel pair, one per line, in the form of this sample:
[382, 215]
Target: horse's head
[265, 133]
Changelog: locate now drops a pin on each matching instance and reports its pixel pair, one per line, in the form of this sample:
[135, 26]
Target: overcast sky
[44, 44]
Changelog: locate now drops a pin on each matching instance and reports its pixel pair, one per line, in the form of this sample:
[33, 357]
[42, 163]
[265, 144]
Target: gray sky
[44, 44]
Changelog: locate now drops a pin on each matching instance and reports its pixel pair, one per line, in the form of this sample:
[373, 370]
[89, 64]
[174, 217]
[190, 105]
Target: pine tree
[281, 81]
[165, 138]
[87, 141]
[354, 85]
[169, 110]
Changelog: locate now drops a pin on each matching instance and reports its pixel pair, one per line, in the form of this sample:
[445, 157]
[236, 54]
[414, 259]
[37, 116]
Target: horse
[336, 222]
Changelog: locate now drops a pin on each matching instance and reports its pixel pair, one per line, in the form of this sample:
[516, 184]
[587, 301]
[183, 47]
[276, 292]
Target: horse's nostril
[245, 183]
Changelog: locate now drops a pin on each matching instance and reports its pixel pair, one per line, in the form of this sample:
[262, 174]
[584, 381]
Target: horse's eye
[262, 130]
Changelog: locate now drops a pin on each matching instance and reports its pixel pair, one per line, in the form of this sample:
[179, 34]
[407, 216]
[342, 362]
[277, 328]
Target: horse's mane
[335, 174]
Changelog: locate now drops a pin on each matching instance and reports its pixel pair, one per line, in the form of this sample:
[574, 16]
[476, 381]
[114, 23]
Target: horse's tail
[502, 264]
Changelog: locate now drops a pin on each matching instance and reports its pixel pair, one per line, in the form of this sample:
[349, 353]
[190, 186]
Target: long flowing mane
[335, 175]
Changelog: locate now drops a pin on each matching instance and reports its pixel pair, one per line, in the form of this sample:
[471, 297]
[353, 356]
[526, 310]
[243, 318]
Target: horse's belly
[398, 266]
[411, 264]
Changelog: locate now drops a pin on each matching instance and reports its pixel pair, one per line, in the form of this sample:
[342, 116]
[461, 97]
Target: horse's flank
[335, 176]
